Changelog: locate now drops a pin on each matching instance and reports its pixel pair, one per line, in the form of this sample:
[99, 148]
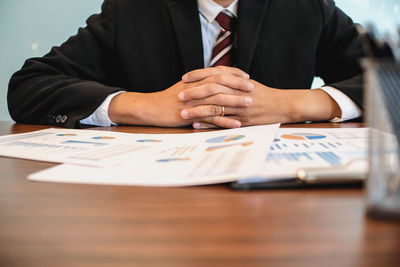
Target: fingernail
[247, 76]
[236, 124]
[196, 125]
[181, 96]
[250, 86]
[184, 77]
[248, 101]
[184, 114]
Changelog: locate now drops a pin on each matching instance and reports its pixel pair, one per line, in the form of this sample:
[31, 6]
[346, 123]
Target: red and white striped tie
[222, 52]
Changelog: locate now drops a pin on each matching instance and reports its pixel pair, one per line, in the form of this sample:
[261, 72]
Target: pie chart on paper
[225, 138]
[303, 136]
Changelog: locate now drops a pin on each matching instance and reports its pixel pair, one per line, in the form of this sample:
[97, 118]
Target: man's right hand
[164, 108]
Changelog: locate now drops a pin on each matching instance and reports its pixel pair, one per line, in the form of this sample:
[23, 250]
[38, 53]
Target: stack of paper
[297, 149]
[251, 154]
[102, 157]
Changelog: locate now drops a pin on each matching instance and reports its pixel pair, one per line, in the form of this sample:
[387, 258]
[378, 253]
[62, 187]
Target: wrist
[311, 105]
[130, 108]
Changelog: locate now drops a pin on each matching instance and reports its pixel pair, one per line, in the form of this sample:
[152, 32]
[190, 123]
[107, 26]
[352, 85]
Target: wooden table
[49, 224]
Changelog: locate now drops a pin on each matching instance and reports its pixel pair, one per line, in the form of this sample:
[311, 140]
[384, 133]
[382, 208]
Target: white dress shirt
[210, 29]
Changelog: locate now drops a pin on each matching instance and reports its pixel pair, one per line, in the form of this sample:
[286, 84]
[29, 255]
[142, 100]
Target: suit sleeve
[339, 53]
[70, 82]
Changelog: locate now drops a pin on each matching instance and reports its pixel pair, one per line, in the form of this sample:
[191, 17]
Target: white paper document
[151, 160]
[86, 147]
[330, 150]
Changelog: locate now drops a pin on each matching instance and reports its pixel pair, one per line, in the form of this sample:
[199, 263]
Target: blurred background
[31, 27]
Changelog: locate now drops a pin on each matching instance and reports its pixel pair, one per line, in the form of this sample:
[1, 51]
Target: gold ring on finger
[222, 111]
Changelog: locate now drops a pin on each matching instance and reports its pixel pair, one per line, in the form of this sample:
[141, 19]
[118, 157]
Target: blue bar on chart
[281, 158]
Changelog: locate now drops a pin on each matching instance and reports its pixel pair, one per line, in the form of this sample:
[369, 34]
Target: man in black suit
[152, 62]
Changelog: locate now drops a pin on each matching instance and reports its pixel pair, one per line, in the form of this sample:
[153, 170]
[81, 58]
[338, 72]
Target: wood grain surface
[50, 224]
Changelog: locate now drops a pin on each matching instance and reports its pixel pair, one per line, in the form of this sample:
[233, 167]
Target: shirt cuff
[100, 116]
[350, 110]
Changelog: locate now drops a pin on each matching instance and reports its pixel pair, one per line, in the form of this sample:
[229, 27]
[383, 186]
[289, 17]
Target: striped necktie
[222, 52]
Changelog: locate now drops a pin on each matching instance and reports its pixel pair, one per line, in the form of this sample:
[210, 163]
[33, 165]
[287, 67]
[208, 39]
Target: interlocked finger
[201, 74]
[228, 101]
[205, 111]
[223, 122]
[206, 90]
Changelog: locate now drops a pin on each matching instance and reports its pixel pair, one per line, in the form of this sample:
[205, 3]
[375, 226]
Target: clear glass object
[383, 117]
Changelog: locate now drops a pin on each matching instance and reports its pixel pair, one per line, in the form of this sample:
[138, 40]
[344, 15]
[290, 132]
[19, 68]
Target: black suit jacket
[147, 45]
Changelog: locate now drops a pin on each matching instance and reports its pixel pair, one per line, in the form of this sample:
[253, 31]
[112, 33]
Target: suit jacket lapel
[186, 22]
[250, 18]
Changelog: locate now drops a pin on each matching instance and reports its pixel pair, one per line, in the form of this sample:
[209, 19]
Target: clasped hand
[198, 100]
[244, 101]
